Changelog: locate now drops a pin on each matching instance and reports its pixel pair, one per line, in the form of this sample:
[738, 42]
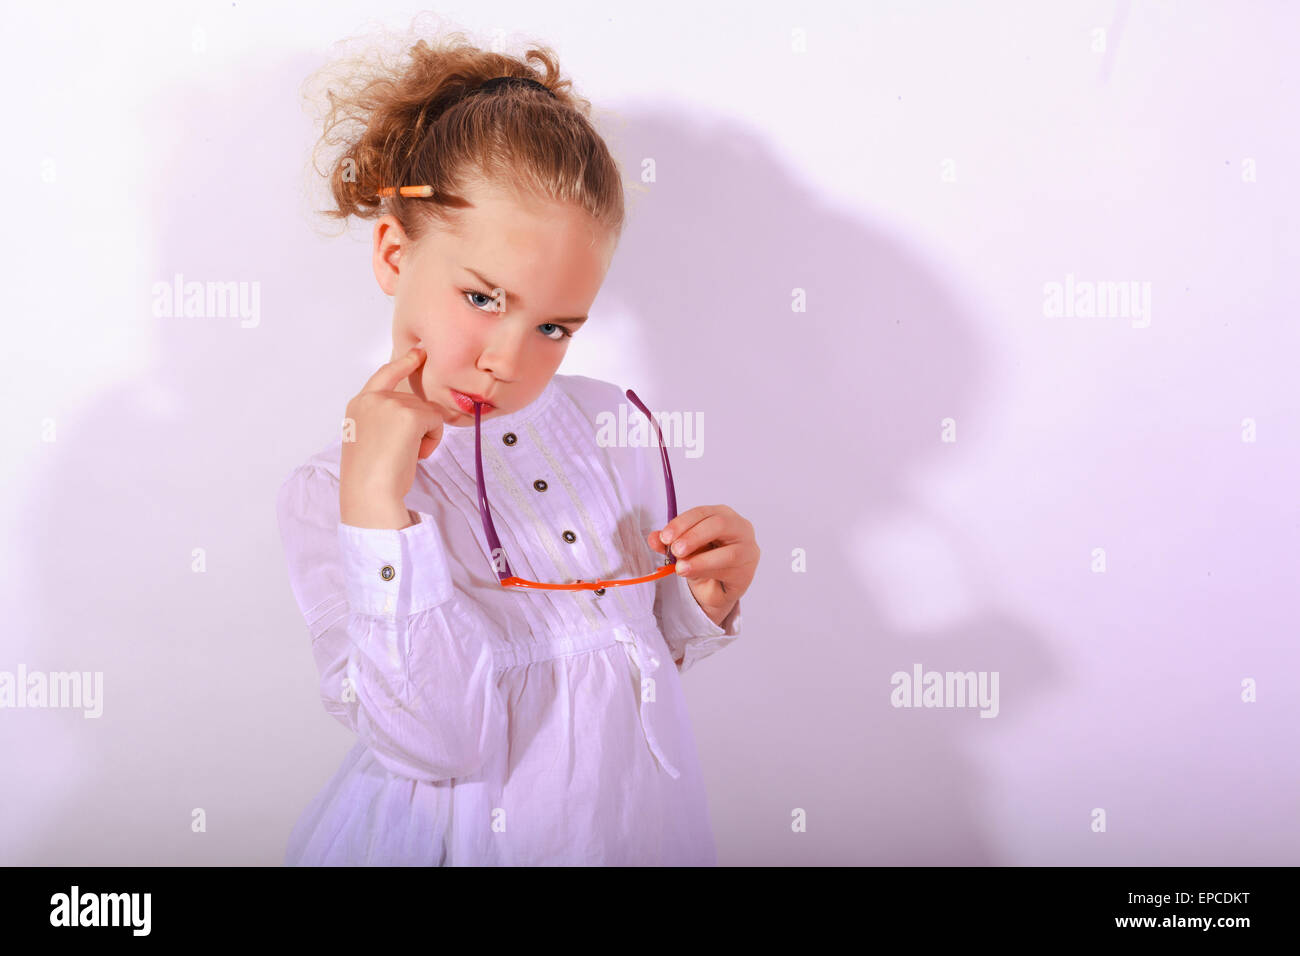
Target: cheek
[451, 353]
[448, 335]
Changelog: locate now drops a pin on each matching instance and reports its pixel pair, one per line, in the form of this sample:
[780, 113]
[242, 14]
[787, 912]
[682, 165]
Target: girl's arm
[690, 634]
[404, 659]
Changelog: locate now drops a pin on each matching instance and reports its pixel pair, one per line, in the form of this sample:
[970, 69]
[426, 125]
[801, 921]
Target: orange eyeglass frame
[503, 572]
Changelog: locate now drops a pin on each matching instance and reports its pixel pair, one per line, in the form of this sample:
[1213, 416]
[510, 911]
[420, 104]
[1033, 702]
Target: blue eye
[490, 306]
[559, 328]
[490, 300]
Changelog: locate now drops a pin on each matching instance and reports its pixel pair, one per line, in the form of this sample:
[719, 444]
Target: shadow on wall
[817, 421]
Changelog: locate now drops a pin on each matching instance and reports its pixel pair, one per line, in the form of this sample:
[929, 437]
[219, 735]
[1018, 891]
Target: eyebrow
[493, 285]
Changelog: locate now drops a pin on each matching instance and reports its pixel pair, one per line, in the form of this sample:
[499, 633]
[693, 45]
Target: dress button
[539, 485]
[570, 537]
[509, 438]
[599, 591]
[387, 572]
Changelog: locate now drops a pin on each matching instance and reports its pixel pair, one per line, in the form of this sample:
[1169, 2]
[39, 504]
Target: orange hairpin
[408, 191]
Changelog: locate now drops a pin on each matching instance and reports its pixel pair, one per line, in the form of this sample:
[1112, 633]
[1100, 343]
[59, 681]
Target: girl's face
[494, 302]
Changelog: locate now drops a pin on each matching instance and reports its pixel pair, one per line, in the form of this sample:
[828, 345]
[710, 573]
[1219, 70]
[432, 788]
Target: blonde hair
[415, 122]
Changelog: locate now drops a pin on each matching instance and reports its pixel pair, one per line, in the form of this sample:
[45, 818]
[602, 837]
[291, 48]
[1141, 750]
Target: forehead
[495, 216]
[526, 243]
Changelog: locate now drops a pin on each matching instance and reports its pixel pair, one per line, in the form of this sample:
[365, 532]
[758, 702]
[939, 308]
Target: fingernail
[665, 536]
[683, 567]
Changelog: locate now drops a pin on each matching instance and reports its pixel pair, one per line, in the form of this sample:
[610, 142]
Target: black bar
[923, 904]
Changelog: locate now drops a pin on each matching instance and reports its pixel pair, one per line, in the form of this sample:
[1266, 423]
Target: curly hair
[416, 120]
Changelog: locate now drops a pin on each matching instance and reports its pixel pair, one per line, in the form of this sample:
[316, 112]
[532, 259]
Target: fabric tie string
[645, 665]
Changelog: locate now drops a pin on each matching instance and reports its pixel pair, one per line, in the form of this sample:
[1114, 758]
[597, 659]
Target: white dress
[499, 726]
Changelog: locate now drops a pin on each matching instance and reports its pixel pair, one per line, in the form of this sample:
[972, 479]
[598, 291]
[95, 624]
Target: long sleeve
[690, 634]
[402, 655]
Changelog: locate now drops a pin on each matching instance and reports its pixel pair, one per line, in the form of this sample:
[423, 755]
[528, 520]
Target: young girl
[497, 724]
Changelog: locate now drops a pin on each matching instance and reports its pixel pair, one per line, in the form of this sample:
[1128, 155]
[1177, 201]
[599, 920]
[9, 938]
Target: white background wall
[921, 170]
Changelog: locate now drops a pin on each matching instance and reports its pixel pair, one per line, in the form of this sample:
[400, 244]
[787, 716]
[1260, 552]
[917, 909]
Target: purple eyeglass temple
[494, 543]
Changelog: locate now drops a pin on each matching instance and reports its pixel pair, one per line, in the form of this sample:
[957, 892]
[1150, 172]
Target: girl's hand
[390, 427]
[716, 553]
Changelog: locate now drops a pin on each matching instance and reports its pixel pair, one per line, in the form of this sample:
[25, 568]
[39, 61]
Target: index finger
[687, 520]
[391, 373]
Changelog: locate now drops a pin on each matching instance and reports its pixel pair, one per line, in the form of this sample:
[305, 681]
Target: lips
[466, 400]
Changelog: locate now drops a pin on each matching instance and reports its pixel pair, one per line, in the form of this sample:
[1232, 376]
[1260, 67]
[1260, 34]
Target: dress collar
[460, 438]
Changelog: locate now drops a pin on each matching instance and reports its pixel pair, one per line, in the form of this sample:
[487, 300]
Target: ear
[390, 244]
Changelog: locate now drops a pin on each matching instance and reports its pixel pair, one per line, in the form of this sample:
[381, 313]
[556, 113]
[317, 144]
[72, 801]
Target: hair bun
[402, 132]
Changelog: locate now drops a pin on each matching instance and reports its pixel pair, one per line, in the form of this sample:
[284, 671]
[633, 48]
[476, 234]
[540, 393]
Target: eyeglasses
[502, 567]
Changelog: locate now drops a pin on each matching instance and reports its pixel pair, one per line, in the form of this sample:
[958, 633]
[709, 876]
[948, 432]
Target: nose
[503, 351]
